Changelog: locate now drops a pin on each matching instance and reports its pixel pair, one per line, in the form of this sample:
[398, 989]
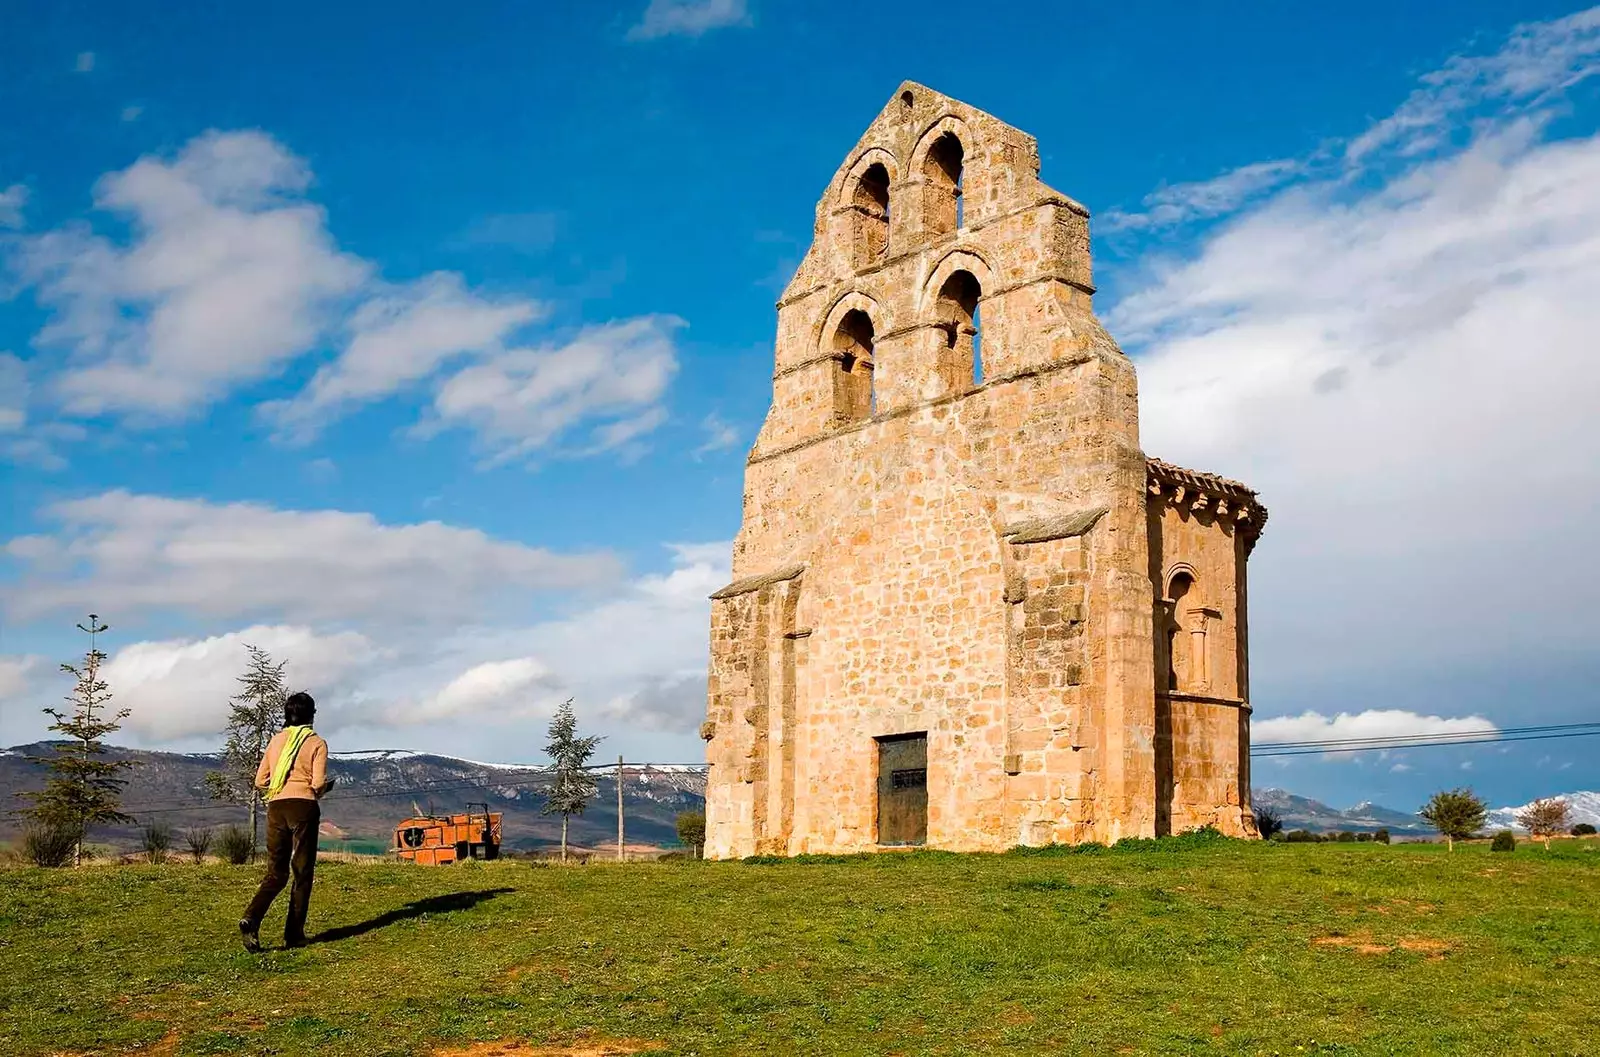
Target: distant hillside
[1581, 807]
[377, 790]
[1301, 812]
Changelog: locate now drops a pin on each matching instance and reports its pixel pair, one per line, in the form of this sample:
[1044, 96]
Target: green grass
[1198, 948]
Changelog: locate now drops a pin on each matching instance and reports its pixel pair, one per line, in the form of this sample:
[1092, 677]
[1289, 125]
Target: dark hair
[298, 709]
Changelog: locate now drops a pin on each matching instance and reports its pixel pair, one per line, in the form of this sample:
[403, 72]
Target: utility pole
[619, 808]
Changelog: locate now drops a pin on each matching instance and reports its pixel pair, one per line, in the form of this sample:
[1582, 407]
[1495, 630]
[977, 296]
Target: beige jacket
[309, 773]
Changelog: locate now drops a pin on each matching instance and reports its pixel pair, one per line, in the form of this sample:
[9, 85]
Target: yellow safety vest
[291, 749]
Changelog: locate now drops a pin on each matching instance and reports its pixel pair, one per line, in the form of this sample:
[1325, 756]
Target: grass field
[1206, 948]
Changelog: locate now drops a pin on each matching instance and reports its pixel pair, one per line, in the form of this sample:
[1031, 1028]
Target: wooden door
[903, 789]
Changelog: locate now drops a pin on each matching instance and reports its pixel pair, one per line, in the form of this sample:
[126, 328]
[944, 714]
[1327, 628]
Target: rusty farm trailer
[434, 840]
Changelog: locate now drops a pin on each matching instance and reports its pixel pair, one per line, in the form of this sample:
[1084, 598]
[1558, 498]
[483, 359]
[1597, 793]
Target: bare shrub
[198, 838]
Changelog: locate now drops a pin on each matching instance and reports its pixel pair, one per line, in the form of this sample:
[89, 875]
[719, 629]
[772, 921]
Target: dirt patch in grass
[1367, 945]
[583, 1048]
[1352, 943]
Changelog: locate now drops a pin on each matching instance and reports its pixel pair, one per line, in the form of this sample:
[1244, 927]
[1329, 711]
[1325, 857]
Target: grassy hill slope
[1186, 948]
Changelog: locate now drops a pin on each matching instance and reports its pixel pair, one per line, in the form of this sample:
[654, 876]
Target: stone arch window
[852, 378]
[957, 309]
[869, 200]
[941, 180]
[1180, 592]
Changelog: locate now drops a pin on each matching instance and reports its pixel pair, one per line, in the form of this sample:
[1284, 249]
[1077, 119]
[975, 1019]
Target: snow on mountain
[1581, 807]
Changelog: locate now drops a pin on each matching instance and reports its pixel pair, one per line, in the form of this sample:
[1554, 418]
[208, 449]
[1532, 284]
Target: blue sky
[423, 344]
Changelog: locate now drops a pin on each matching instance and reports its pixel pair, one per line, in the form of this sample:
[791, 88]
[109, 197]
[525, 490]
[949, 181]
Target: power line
[1424, 744]
[1443, 735]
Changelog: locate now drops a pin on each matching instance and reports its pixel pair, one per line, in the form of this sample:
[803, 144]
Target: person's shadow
[432, 905]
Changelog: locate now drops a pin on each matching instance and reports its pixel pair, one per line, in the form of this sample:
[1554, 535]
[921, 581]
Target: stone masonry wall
[945, 523]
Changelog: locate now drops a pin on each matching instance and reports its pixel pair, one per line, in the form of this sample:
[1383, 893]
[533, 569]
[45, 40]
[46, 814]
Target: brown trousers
[291, 847]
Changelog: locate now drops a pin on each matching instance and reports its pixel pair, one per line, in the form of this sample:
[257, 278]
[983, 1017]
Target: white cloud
[84, 63]
[498, 692]
[635, 665]
[523, 399]
[129, 553]
[179, 688]
[688, 18]
[14, 390]
[12, 201]
[229, 275]
[1539, 60]
[1205, 198]
[1371, 724]
[401, 336]
[17, 676]
[1406, 371]
[634, 661]
[719, 435]
[132, 113]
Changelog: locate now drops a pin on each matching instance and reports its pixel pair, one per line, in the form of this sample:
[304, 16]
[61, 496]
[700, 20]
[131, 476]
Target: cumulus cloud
[397, 338]
[132, 553]
[635, 664]
[525, 398]
[1404, 368]
[230, 273]
[688, 18]
[178, 689]
[12, 201]
[1369, 725]
[634, 661]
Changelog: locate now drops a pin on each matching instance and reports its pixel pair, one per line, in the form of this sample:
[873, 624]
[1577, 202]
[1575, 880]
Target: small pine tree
[1456, 813]
[254, 714]
[1544, 819]
[83, 789]
[571, 786]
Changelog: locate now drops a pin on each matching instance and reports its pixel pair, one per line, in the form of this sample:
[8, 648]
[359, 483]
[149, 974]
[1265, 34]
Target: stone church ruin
[969, 612]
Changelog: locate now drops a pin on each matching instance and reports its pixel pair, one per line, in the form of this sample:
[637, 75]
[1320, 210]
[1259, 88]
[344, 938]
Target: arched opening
[870, 201]
[941, 177]
[957, 310]
[852, 380]
[1179, 588]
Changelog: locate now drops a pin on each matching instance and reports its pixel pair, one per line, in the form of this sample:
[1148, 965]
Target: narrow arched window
[852, 378]
[941, 179]
[870, 201]
[958, 317]
[1180, 588]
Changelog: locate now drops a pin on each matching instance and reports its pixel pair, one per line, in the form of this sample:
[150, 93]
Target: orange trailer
[434, 840]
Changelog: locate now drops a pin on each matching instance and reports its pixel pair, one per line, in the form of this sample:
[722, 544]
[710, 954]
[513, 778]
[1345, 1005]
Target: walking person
[294, 775]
